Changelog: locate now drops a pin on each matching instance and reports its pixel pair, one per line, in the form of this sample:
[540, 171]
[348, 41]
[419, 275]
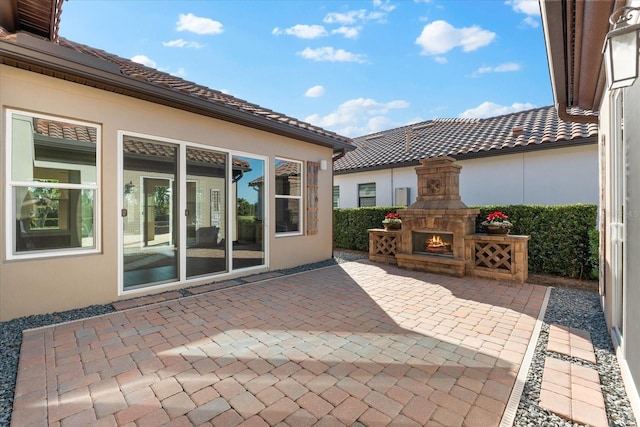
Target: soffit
[38, 17]
[574, 34]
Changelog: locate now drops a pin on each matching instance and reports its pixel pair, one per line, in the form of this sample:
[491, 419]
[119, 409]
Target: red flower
[392, 215]
[496, 216]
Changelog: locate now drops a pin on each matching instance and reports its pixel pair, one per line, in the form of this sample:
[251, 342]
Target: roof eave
[67, 64]
[552, 13]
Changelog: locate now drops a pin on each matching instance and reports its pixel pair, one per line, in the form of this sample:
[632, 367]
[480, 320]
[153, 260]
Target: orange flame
[436, 242]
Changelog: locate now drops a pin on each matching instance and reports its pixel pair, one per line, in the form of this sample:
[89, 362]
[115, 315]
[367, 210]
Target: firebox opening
[438, 243]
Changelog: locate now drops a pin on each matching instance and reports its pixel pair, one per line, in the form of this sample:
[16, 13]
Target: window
[288, 175]
[53, 179]
[366, 195]
[336, 196]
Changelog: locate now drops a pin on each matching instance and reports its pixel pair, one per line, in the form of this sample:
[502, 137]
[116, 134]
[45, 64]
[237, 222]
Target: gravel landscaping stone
[582, 310]
[568, 307]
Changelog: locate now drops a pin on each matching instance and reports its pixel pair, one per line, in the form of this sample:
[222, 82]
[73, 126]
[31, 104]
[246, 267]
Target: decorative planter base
[498, 229]
[392, 226]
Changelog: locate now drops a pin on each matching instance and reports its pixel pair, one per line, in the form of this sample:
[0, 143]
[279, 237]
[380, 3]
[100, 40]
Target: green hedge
[560, 242]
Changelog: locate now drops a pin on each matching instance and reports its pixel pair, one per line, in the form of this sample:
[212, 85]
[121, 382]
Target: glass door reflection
[206, 212]
[150, 253]
[248, 209]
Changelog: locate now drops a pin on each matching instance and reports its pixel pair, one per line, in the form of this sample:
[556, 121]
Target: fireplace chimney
[438, 184]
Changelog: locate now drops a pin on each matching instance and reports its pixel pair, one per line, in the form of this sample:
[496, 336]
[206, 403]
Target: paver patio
[355, 342]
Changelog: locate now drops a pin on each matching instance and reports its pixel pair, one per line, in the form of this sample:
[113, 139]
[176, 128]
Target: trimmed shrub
[560, 241]
[350, 225]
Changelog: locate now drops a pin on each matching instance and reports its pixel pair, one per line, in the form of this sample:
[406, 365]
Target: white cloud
[490, 109]
[198, 25]
[354, 16]
[348, 32]
[303, 31]
[502, 68]
[528, 7]
[314, 92]
[441, 60]
[180, 73]
[331, 55]
[530, 22]
[144, 60]
[183, 43]
[347, 18]
[359, 116]
[506, 67]
[440, 37]
[384, 5]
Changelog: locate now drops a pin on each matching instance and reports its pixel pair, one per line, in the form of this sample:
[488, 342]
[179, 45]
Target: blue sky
[352, 67]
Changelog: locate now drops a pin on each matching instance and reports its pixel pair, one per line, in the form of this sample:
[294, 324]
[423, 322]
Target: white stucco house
[529, 157]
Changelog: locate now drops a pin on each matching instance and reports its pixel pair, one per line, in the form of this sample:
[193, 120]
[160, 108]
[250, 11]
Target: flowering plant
[497, 218]
[392, 218]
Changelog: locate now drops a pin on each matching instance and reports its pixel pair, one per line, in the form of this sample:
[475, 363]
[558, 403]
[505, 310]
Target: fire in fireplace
[433, 243]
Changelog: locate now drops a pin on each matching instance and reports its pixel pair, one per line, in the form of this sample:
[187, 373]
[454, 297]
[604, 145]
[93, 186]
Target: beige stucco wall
[61, 283]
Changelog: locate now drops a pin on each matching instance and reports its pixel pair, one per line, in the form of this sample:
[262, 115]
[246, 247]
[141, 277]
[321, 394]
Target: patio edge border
[509, 414]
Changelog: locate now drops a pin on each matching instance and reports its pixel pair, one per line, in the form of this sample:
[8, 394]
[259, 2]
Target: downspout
[561, 108]
[393, 201]
[339, 155]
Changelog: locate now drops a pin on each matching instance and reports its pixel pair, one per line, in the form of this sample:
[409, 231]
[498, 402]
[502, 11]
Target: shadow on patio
[354, 342]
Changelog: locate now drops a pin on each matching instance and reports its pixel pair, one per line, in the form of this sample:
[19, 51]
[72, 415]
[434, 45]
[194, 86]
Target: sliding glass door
[185, 209]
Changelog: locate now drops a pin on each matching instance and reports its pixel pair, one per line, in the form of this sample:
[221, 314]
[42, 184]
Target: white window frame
[300, 198]
[10, 210]
[336, 201]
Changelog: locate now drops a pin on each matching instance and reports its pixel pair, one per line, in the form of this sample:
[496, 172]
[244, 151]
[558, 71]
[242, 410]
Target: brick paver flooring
[351, 343]
[570, 390]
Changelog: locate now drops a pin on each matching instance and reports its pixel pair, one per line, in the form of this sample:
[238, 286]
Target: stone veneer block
[432, 264]
[383, 245]
[501, 257]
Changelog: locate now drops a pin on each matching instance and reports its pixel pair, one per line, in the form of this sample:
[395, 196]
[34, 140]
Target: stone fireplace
[434, 227]
[438, 233]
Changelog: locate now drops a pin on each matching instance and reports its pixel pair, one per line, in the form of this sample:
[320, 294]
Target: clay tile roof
[150, 148]
[159, 78]
[71, 132]
[287, 169]
[62, 130]
[466, 138]
[283, 169]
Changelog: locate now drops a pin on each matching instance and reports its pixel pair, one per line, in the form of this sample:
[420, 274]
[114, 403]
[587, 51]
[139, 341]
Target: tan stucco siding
[61, 283]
